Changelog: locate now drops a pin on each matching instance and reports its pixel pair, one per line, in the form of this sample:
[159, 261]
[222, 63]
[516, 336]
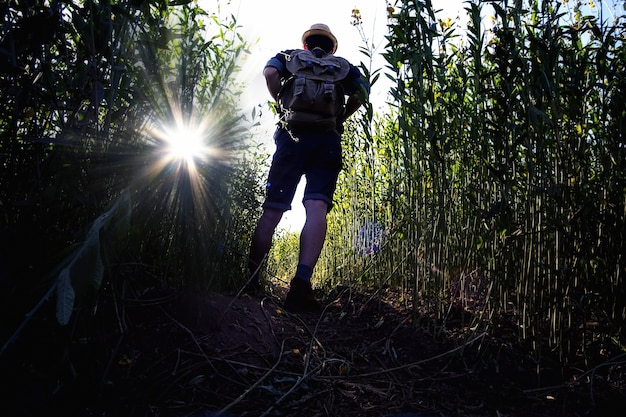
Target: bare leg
[262, 239]
[300, 298]
[314, 232]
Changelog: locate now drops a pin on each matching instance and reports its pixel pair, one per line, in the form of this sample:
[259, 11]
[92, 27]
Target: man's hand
[352, 105]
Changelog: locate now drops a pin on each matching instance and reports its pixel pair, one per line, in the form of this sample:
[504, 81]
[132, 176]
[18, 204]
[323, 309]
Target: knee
[270, 218]
[317, 206]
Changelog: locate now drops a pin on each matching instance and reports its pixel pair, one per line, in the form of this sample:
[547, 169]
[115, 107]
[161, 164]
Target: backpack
[313, 97]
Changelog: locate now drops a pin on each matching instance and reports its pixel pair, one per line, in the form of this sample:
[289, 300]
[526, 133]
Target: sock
[304, 272]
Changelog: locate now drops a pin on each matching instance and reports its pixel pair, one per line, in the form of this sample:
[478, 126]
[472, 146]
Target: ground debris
[363, 355]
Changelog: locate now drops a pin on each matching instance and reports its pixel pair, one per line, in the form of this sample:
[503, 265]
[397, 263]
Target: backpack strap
[299, 84]
[329, 85]
[328, 89]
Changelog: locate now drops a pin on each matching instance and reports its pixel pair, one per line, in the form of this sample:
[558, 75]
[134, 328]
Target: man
[312, 151]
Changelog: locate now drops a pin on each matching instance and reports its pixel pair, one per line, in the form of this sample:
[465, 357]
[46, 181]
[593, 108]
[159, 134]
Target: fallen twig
[413, 364]
[253, 386]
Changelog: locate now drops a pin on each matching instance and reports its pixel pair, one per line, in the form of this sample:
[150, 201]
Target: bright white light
[185, 144]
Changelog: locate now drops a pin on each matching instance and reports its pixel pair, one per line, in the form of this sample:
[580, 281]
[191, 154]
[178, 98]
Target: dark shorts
[316, 156]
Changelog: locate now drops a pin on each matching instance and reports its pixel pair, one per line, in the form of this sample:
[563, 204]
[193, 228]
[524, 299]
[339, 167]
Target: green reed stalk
[498, 175]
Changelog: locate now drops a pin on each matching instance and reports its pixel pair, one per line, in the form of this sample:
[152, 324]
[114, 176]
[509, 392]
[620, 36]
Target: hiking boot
[300, 298]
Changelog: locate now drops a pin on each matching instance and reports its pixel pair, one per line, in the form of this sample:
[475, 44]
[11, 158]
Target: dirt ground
[366, 353]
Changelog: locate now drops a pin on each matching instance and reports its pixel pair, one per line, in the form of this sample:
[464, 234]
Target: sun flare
[185, 144]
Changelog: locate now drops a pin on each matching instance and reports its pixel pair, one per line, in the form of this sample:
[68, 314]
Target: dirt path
[363, 355]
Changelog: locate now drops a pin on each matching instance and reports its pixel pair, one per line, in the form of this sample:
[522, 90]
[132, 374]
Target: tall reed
[495, 183]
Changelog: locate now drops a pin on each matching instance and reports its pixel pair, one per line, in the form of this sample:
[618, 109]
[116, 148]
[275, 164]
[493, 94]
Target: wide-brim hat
[321, 29]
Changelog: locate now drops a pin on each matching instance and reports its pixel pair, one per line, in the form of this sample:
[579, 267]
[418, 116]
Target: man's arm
[272, 79]
[359, 91]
